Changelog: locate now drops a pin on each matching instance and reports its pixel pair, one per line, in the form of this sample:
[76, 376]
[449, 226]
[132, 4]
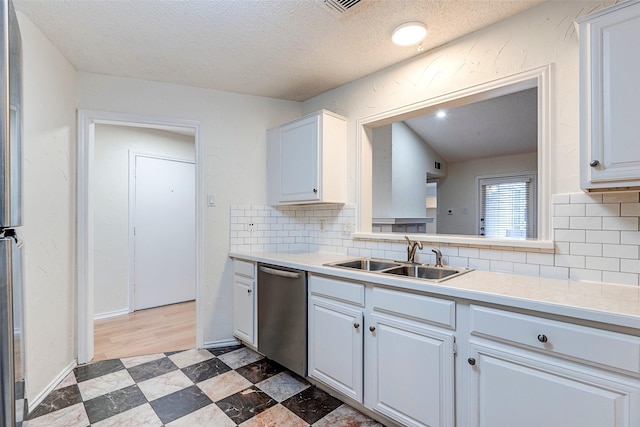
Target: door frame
[87, 119]
[133, 155]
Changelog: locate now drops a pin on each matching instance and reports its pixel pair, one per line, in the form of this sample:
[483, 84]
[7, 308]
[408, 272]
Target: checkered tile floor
[218, 387]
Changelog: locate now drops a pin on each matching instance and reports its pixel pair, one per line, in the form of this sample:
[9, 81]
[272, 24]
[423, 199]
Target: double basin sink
[417, 271]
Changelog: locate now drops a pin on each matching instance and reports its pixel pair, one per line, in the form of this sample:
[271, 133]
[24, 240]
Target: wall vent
[338, 8]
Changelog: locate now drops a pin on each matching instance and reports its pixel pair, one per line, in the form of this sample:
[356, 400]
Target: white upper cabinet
[306, 160]
[609, 91]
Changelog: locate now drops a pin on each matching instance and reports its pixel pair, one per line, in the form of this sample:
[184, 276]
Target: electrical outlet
[322, 224]
[251, 226]
[347, 228]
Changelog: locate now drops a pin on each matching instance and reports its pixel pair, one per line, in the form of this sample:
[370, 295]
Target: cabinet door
[244, 309]
[299, 160]
[513, 388]
[335, 346]
[610, 91]
[409, 372]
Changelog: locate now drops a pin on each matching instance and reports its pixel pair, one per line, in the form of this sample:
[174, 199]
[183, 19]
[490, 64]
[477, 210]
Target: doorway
[91, 300]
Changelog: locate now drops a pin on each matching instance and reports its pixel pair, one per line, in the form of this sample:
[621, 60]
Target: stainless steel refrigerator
[12, 405]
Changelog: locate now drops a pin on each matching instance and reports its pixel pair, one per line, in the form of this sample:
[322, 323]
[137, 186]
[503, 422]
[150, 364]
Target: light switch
[211, 200]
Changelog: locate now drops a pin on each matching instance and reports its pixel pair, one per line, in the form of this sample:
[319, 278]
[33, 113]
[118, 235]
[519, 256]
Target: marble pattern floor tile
[130, 362]
[283, 385]
[205, 370]
[275, 416]
[208, 416]
[245, 404]
[190, 357]
[114, 403]
[152, 369]
[165, 384]
[177, 405]
[71, 416]
[260, 370]
[240, 357]
[97, 369]
[312, 404]
[140, 416]
[58, 399]
[223, 387]
[105, 384]
[346, 416]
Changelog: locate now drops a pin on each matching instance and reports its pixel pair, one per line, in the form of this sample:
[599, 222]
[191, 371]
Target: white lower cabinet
[409, 372]
[515, 387]
[244, 302]
[335, 346]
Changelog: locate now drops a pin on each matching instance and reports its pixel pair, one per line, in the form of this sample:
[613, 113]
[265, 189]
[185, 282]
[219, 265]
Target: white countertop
[599, 302]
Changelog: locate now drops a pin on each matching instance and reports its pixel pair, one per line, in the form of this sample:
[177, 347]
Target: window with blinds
[508, 206]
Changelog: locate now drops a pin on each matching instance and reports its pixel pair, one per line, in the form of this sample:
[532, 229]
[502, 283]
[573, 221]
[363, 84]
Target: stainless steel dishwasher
[282, 316]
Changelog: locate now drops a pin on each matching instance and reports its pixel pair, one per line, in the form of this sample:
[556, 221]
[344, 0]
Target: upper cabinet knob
[594, 163]
[315, 190]
[542, 338]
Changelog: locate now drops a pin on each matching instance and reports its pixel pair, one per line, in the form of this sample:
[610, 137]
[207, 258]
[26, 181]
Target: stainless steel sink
[366, 264]
[426, 272]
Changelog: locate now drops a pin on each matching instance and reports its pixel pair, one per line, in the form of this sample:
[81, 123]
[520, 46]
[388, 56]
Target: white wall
[233, 160]
[49, 203]
[459, 191]
[536, 37]
[111, 204]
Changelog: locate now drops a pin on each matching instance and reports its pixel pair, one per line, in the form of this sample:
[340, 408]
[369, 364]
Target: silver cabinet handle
[543, 338]
[249, 291]
[281, 273]
[356, 325]
[594, 163]
[372, 328]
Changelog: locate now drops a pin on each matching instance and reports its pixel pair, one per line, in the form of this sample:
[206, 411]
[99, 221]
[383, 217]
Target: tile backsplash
[596, 236]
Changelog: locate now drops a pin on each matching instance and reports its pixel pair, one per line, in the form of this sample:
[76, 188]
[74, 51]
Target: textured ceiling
[287, 49]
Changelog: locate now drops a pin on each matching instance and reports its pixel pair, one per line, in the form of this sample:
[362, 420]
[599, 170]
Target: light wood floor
[155, 330]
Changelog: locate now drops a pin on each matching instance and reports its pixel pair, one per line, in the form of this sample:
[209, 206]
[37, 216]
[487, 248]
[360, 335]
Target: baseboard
[33, 403]
[110, 314]
[222, 343]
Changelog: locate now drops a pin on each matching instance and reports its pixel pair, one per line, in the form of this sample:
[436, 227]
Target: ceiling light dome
[409, 33]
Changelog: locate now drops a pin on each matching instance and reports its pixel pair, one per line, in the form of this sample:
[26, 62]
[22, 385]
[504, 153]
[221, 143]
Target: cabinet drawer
[341, 290]
[244, 268]
[438, 311]
[589, 344]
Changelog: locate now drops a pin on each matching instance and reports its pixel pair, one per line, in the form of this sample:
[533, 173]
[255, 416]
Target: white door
[164, 232]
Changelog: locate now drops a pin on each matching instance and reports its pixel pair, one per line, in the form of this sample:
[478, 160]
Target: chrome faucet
[438, 257]
[411, 249]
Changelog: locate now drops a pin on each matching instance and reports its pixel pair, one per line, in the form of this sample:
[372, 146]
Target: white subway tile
[630, 265]
[620, 251]
[456, 261]
[569, 235]
[620, 197]
[561, 222]
[480, 264]
[602, 263]
[569, 210]
[582, 274]
[560, 198]
[554, 272]
[620, 278]
[585, 223]
[585, 198]
[603, 236]
[609, 209]
[623, 223]
[563, 248]
[469, 252]
[514, 256]
[575, 261]
[630, 209]
[491, 254]
[540, 258]
[630, 237]
[502, 266]
[591, 249]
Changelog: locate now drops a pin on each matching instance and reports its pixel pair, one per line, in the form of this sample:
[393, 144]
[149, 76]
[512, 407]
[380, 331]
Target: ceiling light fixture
[409, 33]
